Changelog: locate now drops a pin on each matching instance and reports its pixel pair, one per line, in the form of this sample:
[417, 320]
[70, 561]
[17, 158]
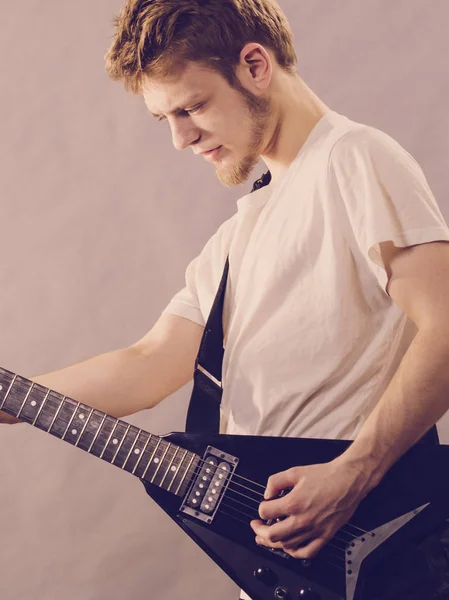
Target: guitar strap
[203, 415]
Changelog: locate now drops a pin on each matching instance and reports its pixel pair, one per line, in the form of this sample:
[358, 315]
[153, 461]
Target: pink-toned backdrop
[99, 218]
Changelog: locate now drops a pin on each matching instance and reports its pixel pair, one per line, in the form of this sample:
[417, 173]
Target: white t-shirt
[312, 338]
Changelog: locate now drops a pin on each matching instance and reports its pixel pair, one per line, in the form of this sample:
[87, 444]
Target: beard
[259, 111]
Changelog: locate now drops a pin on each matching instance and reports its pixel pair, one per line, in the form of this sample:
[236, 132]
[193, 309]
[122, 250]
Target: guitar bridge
[209, 485]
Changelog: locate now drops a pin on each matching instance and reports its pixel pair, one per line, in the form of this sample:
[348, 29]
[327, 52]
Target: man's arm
[418, 395]
[135, 378]
[324, 497]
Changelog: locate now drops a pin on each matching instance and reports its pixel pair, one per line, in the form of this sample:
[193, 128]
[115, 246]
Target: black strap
[204, 410]
[203, 415]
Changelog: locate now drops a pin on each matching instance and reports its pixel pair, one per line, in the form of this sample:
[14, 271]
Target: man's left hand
[322, 499]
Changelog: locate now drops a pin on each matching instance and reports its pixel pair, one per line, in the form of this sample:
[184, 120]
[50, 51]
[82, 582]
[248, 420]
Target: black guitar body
[410, 503]
[212, 486]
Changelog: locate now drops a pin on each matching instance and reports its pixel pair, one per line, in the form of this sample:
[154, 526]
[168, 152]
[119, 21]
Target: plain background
[100, 216]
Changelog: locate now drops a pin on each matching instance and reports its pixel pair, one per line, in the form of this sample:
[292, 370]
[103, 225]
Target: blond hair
[156, 37]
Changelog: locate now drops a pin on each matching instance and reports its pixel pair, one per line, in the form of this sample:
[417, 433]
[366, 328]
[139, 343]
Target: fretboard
[142, 454]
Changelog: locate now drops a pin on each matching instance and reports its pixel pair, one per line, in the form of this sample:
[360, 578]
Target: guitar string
[202, 461]
[196, 472]
[258, 518]
[235, 475]
[333, 555]
[324, 559]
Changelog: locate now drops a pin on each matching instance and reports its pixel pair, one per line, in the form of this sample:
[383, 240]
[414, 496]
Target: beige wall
[99, 217]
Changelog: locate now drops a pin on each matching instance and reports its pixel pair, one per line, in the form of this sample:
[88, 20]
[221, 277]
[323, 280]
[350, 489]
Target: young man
[335, 313]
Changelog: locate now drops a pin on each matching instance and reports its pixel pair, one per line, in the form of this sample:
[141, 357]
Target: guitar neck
[121, 444]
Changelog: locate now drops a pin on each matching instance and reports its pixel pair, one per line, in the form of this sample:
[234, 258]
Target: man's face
[210, 113]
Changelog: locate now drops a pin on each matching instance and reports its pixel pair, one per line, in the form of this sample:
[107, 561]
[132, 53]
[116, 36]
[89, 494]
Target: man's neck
[297, 115]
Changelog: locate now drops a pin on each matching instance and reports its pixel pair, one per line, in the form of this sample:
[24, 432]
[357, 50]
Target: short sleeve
[203, 276]
[186, 302]
[385, 195]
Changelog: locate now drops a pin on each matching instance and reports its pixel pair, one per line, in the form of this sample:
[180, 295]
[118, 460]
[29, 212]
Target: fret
[161, 460]
[117, 423]
[3, 404]
[177, 471]
[97, 434]
[182, 482]
[119, 446]
[150, 452]
[77, 424]
[130, 450]
[127, 442]
[162, 466]
[84, 427]
[61, 404]
[70, 422]
[142, 454]
[30, 406]
[40, 408]
[170, 468]
[47, 413]
[14, 399]
[151, 458]
[25, 400]
[90, 429]
[100, 445]
[65, 413]
[136, 452]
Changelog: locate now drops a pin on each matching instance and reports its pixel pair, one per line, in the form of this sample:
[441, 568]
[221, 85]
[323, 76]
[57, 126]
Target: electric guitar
[211, 486]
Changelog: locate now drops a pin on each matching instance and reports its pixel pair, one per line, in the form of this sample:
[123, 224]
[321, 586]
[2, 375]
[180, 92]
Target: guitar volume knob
[308, 594]
[265, 575]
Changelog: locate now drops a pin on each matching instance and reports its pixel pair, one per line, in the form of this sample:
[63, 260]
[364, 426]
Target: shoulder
[366, 144]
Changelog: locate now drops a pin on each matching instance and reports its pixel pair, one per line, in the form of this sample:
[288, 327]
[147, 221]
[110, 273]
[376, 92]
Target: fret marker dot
[137, 451]
[156, 460]
[33, 403]
[173, 468]
[115, 442]
[1, 387]
[74, 432]
[81, 416]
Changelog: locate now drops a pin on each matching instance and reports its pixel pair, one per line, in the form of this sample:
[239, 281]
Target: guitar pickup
[209, 485]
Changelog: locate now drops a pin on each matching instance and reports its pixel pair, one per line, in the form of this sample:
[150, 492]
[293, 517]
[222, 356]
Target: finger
[298, 536]
[263, 542]
[276, 532]
[309, 551]
[279, 482]
[298, 541]
[273, 509]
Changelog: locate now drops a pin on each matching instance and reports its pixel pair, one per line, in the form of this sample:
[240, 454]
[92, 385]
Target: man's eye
[194, 110]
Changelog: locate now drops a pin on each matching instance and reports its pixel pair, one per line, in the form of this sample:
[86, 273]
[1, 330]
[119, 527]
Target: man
[335, 314]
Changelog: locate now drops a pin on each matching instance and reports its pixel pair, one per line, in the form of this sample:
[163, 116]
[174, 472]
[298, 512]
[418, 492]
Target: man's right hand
[8, 420]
